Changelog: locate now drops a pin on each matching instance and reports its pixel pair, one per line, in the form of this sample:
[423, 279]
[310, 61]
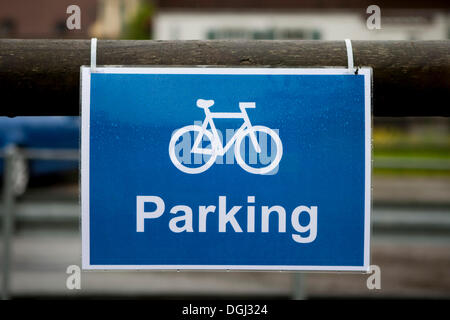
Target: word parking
[229, 217]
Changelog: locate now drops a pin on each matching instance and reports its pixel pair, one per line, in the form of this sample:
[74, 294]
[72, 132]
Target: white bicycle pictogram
[217, 148]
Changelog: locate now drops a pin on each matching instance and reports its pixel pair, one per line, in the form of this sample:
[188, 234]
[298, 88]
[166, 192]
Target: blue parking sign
[226, 168]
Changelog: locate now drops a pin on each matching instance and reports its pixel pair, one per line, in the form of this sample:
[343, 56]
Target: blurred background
[411, 168]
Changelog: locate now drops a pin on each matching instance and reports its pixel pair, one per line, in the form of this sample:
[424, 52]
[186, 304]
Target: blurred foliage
[417, 172]
[420, 150]
[399, 142]
[139, 26]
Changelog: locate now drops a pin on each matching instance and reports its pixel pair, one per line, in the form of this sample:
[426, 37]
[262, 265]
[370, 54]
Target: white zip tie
[93, 54]
[350, 64]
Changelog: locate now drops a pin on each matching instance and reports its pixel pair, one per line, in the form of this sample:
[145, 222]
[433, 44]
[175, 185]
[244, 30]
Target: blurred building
[291, 19]
[43, 18]
[226, 19]
[112, 16]
[46, 19]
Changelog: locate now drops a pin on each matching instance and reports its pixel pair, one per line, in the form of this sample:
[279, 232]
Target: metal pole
[8, 219]
[298, 286]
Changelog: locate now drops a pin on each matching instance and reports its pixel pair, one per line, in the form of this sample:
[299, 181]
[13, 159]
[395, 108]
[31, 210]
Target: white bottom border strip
[226, 268]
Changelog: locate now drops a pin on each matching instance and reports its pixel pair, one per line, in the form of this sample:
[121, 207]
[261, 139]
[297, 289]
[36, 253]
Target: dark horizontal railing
[41, 77]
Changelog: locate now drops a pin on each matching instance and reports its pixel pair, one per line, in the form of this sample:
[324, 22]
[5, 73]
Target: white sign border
[85, 83]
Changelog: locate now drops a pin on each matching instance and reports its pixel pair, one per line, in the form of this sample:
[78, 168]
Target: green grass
[410, 172]
[424, 148]
[432, 153]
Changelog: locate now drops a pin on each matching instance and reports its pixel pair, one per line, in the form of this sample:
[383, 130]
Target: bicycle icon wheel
[240, 159]
[177, 135]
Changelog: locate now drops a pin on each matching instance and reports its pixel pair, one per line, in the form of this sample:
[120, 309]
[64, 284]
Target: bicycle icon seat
[204, 104]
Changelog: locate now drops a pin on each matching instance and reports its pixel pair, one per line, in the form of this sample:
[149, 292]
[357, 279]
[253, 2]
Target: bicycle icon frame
[219, 148]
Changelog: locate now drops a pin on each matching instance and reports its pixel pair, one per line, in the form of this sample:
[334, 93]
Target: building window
[265, 34]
